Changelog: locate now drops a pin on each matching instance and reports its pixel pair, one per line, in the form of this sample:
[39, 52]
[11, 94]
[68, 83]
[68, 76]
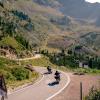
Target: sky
[93, 1]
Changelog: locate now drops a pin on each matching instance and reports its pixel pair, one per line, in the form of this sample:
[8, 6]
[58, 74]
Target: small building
[83, 64]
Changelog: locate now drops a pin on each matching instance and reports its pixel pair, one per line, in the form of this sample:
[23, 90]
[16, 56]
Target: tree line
[72, 59]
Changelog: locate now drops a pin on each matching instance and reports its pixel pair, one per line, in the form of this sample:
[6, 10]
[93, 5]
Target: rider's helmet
[56, 71]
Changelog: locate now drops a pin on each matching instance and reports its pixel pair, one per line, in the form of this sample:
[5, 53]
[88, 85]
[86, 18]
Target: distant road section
[34, 57]
[41, 90]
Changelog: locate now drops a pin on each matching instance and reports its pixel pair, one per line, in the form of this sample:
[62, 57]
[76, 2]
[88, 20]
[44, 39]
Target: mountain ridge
[79, 9]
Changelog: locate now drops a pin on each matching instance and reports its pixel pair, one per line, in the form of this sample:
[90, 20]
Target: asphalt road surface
[42, 90]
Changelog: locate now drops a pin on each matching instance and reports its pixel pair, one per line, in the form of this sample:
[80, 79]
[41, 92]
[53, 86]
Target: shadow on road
[46, 73]
[53, 83]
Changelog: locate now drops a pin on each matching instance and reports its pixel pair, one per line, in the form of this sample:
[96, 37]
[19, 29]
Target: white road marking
[27, 86]
[62, 88]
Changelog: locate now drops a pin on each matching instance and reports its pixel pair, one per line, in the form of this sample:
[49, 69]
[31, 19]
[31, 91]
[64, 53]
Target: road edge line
[26, 86]
[62, 88]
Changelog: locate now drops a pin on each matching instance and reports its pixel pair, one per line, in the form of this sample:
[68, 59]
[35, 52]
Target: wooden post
[81, 91]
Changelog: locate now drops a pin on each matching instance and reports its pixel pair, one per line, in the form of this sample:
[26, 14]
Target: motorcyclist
[57, 76]
[49, 69]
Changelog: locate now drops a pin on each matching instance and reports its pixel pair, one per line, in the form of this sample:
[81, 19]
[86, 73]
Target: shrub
[94, 94]
[20, 73]
[20, 15]
[9, 76]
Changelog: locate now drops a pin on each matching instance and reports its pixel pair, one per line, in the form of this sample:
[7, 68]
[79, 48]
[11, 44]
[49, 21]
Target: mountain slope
[51, 22]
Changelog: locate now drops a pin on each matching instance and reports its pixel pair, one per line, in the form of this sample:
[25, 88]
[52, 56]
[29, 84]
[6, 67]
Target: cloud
[93, 1]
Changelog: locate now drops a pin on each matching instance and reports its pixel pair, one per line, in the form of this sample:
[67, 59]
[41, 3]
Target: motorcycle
[49, 70]
[57, 77]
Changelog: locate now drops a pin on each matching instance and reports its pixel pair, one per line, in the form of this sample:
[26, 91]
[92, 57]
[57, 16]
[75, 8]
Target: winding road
[36, 56]
[42, 90]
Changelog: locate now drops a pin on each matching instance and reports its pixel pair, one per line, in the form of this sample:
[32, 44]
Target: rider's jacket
[57, 74]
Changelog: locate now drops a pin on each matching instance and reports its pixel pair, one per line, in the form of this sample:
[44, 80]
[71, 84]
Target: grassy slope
[40, 17]
[9, 41]
[44, 61]
[6, 67]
